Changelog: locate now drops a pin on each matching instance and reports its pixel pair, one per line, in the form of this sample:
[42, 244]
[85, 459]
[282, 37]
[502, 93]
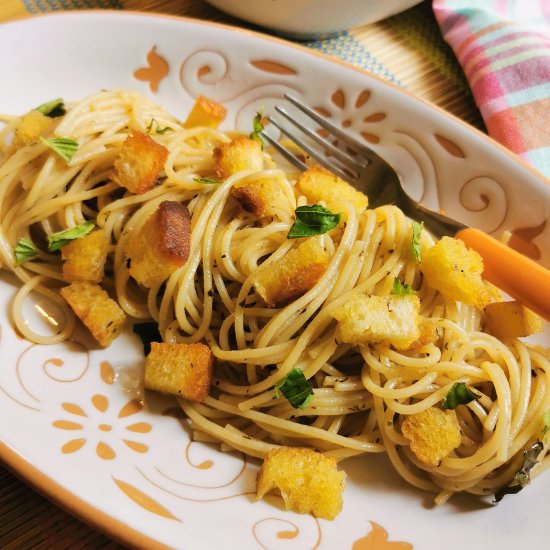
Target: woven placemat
[406, 49]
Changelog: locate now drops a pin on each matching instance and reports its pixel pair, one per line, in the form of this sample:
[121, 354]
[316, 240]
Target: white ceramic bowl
[312, 18]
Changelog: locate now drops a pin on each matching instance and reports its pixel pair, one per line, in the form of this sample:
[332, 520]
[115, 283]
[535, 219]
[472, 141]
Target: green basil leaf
[401, 289]
[258, 127]
[296, 388]
[313, 220]
[53, 108]
[158, 129]
[416, 244]
[64, 147]
[60, 239]
[24, 250]
[148, 332]
[523, 475]
[459, 394]
[206, 180]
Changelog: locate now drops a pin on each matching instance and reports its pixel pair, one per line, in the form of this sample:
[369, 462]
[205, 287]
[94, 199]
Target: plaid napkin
[504, 49]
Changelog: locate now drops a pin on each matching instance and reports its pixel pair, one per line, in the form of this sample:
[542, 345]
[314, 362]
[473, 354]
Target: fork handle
[522, 278]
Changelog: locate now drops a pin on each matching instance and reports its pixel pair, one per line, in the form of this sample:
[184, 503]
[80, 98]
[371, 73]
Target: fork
[523, 279]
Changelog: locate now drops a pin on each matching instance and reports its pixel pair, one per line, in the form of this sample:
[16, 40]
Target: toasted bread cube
[428, 334]
[318, 184]
[367, 319]
[455, 270]
[84, 258]
[162, 244]
[205, 112]
[30, 127]
[240, 154]
[511, 320]
[93, 306]
[139, 163]
[433, 435]
[309, 482]
[184, 370]
[258, 196]
[292, 276]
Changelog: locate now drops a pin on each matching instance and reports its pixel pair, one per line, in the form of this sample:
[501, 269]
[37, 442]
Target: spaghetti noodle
[362, 394]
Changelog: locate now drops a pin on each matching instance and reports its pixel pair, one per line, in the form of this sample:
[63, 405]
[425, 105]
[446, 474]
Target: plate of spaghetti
[202, 346]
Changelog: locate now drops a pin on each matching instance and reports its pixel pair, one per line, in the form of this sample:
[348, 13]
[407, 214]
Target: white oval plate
[71, 429]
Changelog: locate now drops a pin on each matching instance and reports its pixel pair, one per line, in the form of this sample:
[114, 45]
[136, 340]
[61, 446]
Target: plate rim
[16, 463]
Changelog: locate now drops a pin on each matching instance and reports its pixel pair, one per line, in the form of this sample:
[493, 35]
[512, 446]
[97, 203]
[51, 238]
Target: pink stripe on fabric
[545, 9]
[504, 128]
[465, 59]
[472, 69]
[489, 108]
[515, 78]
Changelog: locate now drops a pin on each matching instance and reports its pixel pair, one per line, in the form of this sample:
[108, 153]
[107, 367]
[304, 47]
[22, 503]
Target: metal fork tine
[319, 157]
[338, 153]
[285, 152]
[335, 131]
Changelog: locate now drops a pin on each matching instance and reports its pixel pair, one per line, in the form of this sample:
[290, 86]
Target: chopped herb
[313, 220]
[158, 129]
[24, 250]
[401, 289]
[206, 180]
[258, 127]
[62, 238]
[523, 475]
[148, 332]
[416, 245]
[296, 388]
[53, 108]
[459, 394]
[64, 147]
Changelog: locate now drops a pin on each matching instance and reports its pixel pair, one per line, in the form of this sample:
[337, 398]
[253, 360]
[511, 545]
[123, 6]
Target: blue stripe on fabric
[36, 6]
[348, 48]
[540, 159]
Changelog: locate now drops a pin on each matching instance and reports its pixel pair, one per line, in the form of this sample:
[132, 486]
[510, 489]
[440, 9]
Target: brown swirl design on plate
[273, 67]
[450, 146]
[522, 240]
[157, 69]
[192, 499]
[377, 539]
[264, 530]
[103, 449]
[143, 500]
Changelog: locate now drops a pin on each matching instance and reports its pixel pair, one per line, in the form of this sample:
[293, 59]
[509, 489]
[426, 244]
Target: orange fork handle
[522, 278]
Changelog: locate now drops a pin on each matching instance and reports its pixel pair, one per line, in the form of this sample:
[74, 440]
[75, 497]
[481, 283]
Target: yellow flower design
[97, 419]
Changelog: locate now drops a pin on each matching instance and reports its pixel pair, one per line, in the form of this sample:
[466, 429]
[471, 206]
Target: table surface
[408, 46]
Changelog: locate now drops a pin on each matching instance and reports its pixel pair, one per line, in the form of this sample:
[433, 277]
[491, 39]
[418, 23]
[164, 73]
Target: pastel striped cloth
[504, 49]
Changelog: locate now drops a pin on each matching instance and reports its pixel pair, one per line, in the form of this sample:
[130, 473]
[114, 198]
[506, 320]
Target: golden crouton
[184, 370]
[455, 270]
[371, 319]
[93, 306]
[258, 196]
[428, 334]
[140, 161]
[30, 127]
[240, 154]
[161, 245]
[205, 112]
[84, 258]
[511, 320]
[433, 435]
[318, 184]
[292, 276]
[309, 481]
